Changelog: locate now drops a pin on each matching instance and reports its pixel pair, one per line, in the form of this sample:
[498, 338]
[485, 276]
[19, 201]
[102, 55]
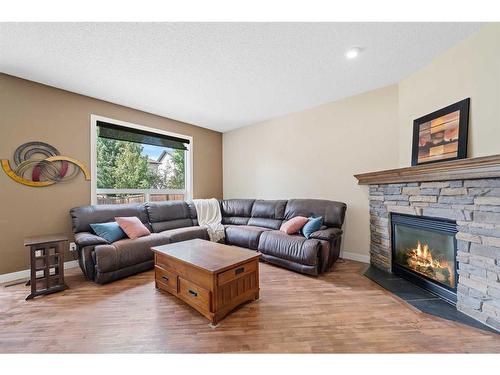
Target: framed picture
[441, 135]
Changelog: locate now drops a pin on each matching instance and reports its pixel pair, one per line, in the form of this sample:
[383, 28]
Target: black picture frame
[463, 127]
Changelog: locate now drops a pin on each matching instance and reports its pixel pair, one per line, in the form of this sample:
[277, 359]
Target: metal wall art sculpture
[39, 164]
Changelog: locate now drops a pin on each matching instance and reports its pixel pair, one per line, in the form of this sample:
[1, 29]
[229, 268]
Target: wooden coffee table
[210, 277]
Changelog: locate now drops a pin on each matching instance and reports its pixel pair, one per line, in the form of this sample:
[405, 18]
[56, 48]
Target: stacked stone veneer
[475, 205]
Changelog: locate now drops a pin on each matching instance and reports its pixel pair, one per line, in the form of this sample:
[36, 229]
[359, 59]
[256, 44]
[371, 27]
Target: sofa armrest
[106, 258]
[83, 239]
[328, 234]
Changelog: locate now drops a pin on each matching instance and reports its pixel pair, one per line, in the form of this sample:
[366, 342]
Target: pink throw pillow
[132, 226]
[294, 224]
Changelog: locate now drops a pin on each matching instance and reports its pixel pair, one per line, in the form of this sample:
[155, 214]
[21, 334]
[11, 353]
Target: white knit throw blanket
[209, 216]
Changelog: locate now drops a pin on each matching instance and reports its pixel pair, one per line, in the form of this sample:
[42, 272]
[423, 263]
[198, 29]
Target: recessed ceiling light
[353, 53]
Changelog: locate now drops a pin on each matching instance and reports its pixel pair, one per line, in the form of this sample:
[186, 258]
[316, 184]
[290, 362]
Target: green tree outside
[121, 165]
[178, 173]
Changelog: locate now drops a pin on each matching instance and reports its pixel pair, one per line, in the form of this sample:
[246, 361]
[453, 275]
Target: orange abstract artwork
[441, 135]
[438, 139]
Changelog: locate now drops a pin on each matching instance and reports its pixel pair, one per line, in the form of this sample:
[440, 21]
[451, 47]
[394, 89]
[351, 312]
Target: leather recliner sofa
[249, 223]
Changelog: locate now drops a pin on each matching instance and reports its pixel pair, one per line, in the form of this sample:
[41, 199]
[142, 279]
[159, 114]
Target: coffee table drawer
[236, 272]
[193, 294]
[166, 280]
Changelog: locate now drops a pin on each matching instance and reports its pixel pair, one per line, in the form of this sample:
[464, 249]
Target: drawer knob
[193, 293]
[165, 278]
[237, 271]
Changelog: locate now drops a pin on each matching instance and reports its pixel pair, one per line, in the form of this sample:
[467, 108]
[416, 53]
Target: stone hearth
[475, 205]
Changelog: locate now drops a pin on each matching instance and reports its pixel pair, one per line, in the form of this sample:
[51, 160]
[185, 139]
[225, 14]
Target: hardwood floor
[340, 312]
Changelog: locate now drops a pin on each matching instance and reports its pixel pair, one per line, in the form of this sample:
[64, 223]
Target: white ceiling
[221, 75]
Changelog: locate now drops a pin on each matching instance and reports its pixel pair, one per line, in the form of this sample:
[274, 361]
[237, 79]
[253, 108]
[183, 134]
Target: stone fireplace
[465, 195]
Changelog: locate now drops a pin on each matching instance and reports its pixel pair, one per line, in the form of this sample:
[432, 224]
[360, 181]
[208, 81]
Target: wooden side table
[47, 264]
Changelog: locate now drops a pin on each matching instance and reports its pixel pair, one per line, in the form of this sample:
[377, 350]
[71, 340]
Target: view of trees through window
[129, 172]
[127, 165]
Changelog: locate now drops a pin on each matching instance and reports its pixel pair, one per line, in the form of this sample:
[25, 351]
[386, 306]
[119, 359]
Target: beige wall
[30, 111]
[314, 153]
[469, 69]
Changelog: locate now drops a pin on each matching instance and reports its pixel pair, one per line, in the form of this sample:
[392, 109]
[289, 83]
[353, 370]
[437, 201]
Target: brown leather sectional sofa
[249, 223]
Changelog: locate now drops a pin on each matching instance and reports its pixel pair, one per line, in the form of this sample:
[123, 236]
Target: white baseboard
[7, 277]
[355, 256]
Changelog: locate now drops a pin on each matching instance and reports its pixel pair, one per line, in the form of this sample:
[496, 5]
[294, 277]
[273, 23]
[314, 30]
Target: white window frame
[187, 192]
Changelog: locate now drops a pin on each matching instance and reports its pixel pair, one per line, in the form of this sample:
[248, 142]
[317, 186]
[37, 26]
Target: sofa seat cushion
[127, 252]
[293, 248]
[187, 233]
[244, 235]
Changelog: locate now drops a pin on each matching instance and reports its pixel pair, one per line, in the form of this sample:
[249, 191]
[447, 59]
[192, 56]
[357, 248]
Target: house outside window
[136, 164]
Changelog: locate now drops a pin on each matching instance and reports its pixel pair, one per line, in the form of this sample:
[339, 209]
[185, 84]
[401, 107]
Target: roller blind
[122, 133]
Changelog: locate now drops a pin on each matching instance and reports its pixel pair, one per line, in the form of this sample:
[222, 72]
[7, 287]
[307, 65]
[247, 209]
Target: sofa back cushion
[332, 212]
[267, 213]
[169, 215]
[82, 217]
[236, 211]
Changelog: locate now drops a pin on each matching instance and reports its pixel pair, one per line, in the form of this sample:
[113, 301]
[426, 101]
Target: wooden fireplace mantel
[472, 168]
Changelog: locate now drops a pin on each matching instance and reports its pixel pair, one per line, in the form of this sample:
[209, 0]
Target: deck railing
[121, 196]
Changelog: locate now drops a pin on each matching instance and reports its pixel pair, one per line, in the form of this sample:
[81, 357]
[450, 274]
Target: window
[135, 164]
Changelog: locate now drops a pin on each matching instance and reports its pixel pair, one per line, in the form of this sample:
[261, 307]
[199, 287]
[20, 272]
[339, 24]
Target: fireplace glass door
[426, 252]
[425, 248]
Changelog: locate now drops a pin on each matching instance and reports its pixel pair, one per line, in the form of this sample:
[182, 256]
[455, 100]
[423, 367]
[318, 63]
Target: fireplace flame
[420, 259]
